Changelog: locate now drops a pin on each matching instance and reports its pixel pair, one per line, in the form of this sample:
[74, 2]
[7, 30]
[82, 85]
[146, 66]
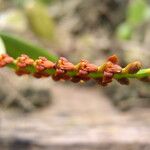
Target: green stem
[140, 74]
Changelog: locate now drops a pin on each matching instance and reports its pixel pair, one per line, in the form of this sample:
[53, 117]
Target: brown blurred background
[43, 114]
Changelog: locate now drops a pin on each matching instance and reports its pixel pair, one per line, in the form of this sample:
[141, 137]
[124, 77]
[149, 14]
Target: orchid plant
[26, 59]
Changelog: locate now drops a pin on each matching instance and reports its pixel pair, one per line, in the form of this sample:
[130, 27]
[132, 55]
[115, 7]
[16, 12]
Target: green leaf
[46, 1]
[124, 31]
[39, 20]
[15, 46]
[136, 12]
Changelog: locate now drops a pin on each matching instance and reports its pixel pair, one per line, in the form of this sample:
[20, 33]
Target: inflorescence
[83, 71]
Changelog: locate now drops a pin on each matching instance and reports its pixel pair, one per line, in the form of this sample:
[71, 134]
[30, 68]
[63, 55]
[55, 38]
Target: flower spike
[83, 71]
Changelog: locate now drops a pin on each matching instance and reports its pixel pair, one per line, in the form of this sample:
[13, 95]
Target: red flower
[43, 63]
[111, 67]
[5, 59]
[64, 64]
[24, 61]
[84, 68]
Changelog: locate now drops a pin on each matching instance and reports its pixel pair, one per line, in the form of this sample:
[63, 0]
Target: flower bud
[84, 68]
[107, 78]
[5, 59]
[114, 59]
[64, 64]
[41, 74]
[132, 67]
[24, 61]
[43, 63]
[21, 72]
[109, 69]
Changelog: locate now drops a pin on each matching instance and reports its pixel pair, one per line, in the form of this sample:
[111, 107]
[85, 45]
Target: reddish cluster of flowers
[5, 59]
[42, 66]
[109, 69]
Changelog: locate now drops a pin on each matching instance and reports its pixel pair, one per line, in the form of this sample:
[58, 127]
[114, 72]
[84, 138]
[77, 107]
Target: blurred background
[43, 114]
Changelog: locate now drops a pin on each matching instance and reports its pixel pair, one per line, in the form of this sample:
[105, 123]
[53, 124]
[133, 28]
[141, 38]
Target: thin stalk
[140, 74]
[83, 71]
